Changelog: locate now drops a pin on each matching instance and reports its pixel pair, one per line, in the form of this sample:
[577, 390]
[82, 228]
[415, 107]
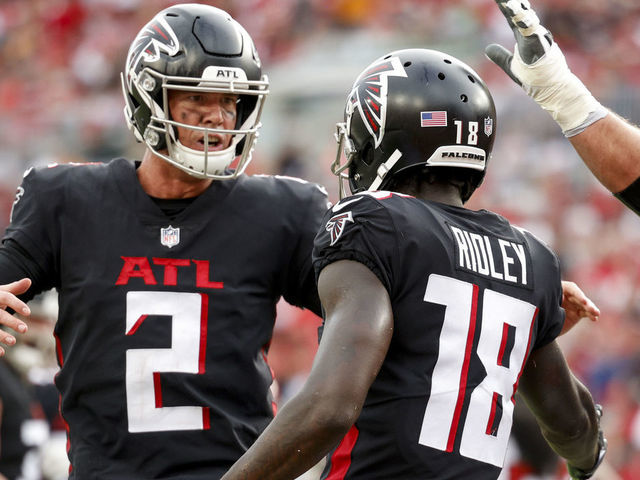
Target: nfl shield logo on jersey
[170, 237]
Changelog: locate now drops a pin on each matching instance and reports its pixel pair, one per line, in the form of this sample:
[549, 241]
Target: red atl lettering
[136, 267]
[140, 267]
[171, 268]
[202, 275]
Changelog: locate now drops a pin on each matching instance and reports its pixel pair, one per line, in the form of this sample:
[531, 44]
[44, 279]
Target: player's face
[203, 109]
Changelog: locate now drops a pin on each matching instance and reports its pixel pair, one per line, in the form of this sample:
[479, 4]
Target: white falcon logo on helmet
[369, 95]
[156, 37]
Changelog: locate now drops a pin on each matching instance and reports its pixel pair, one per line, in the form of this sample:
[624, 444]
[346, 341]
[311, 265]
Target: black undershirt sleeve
[630, 196]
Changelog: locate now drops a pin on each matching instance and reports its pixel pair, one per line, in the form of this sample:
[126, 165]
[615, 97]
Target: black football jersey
[164, 325]
[472, 296]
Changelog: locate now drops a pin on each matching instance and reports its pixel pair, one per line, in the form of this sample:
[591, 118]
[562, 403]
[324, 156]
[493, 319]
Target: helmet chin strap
[384, 169]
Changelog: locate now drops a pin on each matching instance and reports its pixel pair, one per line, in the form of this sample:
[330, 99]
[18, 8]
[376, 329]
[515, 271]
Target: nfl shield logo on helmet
[169, 237]
[488, 126]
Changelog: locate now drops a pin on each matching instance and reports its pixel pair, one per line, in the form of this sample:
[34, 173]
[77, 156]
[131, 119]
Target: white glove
[539, 67]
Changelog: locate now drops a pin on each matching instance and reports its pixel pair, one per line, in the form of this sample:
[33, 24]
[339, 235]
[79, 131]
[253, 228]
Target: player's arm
[608, 145]
[564, 410]
[356, 336]
[611, 150]
[300, 287]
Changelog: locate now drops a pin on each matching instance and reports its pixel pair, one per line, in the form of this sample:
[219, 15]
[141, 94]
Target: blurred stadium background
[60, 101]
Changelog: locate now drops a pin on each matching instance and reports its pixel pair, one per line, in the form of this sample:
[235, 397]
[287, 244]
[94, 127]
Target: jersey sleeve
[300, 289]
[551, 314]
[33, 225]
[358, 228]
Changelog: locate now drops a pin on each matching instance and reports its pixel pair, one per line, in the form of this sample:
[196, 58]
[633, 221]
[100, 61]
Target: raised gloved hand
[539, 67]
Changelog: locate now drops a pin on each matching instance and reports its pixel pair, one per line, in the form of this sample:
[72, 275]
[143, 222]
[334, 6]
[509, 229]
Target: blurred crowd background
[60, 101]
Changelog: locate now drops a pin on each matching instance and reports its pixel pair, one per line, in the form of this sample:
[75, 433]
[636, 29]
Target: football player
[435, 315]
[607, 144]
[168, 269]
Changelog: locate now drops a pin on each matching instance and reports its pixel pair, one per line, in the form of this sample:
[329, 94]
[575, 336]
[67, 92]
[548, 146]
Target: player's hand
[576, 306]
[538, 65]
[533, 41]
[8, 299]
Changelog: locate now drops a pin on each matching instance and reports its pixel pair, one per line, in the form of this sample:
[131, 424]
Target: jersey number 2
[188, 312]
[502, 347]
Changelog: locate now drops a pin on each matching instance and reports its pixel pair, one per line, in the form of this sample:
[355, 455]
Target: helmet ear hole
[367, 154]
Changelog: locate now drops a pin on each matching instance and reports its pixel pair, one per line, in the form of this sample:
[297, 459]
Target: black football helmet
[197, 48]
[414, 108]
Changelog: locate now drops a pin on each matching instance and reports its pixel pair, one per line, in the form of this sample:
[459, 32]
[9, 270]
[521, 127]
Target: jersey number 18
[506, 321]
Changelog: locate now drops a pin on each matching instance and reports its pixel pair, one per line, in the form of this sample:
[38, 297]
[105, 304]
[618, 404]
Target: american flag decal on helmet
[335, 226]
[369, 95]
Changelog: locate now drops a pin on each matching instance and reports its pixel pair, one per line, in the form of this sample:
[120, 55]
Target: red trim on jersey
[380, 197]
[206, 418]
[515, 385]
[503, 343]
[157, 388]
[465, 370]
[204, 328]
[136, 325]
[204, 325]
[341, 458]
[58, 350]
[492, 415]
[64, 422]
